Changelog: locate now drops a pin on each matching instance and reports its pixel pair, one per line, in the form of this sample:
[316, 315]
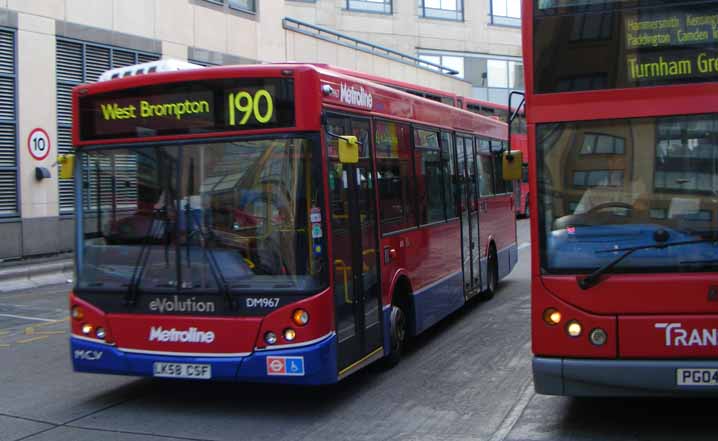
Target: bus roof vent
[165, 65]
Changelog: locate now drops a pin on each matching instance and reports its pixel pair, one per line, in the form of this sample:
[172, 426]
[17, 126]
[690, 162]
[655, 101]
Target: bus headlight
[598, 337]
[87, 329]
[290, 334]
[573, 328]
[270, 337]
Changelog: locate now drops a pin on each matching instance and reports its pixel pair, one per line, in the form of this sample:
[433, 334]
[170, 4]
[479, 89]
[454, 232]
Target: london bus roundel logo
[38, 143]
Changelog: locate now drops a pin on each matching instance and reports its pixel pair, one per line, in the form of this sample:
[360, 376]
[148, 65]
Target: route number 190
[244, 106]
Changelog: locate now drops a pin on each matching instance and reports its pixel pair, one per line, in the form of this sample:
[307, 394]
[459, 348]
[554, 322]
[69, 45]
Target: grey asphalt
[468, 378]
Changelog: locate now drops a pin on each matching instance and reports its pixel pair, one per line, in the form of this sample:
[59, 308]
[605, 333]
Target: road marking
[513, 416]
[28, 340]
[524, 245]
[4, 346]
[51, 322]
[37, 319]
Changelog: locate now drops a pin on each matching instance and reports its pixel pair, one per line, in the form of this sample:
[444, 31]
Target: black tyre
[492, 275]
[398, 335]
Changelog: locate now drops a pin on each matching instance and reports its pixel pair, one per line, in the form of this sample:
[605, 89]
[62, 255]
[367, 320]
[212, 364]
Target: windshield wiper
[144, 254]
[660, 236]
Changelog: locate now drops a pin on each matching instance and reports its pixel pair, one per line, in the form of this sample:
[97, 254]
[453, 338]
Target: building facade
[49, 46]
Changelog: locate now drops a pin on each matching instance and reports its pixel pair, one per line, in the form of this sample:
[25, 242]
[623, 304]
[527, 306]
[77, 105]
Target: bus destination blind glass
[188, 108]
[590, 45]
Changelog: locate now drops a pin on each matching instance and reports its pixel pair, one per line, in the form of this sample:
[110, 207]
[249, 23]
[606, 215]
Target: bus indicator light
[300, 317]
[290, 334]
[552, 317]
[77, 313]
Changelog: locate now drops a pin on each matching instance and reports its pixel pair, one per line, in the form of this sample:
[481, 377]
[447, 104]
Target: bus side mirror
[66, 163]
[348, 150]
[512, 162]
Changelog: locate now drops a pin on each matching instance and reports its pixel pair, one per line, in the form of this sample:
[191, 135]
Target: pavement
[34, 273]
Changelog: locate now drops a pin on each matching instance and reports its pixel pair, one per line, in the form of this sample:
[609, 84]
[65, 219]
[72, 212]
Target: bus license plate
[183, 370]
[697, 377]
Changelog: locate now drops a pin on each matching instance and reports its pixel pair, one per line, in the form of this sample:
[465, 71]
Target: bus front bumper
[589, 377]
[313, 364]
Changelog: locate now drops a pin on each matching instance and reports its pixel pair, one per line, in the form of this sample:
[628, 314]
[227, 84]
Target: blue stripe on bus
[320, 362]
[436, 301]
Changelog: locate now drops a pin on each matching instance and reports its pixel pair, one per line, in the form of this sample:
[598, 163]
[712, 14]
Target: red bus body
[417, 267]
[646, 325]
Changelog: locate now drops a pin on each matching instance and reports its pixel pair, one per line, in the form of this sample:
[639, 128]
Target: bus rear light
[300, 317]
[552, 317]
[574, 329]
[598, 337]
[77, 313]
[270, 337]
[290, 334]
[87, 329]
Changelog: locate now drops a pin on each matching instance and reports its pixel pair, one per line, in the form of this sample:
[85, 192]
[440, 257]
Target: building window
[8, 126]
[249, 6]
[600, 144]
[598, 178]
[79, 63]
[448, 61]
[506, 12]
[443, 9]
[379, 6]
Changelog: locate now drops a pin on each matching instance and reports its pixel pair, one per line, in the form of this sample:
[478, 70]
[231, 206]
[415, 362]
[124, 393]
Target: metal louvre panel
[97, 61]
[67, 189]
[122, 58]
[7, 52]
[145, 58]
[7, 145]
[69, 62]
[7, 98]
[64, 104]
[8, 195]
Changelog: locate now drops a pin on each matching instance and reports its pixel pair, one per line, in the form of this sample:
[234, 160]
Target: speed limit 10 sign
[38, 143]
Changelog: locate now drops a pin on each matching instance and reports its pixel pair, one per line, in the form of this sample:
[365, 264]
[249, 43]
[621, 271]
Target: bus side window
[486, 173]
[429, 185]
[394, 176]
[451, 190]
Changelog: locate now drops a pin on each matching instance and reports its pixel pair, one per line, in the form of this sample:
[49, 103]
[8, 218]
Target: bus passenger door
[471, 171]
[357, 291]
[469, 221]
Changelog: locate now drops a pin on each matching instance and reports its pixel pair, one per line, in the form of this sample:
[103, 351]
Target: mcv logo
[87, 355]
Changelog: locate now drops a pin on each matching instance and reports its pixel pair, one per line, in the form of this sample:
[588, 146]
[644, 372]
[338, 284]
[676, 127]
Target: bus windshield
[616, 184]
[240, 215]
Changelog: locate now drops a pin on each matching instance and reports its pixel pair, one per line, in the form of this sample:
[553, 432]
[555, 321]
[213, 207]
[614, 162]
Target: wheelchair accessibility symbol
[286, 366]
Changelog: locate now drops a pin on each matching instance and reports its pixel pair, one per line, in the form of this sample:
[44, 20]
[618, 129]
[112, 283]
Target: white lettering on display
[177, 305]
[262, 302]
[677, 336]
[192, 335]
[356, 97]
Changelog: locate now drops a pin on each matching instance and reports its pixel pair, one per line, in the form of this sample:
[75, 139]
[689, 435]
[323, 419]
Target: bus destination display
[188, 108]
[596, 45]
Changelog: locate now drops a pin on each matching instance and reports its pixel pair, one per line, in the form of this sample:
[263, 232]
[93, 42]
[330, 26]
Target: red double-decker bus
[275, 223]
[519, 142]
[623, 132]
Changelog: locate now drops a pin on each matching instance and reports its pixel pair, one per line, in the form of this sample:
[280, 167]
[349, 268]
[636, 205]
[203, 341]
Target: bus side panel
[431, 257]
